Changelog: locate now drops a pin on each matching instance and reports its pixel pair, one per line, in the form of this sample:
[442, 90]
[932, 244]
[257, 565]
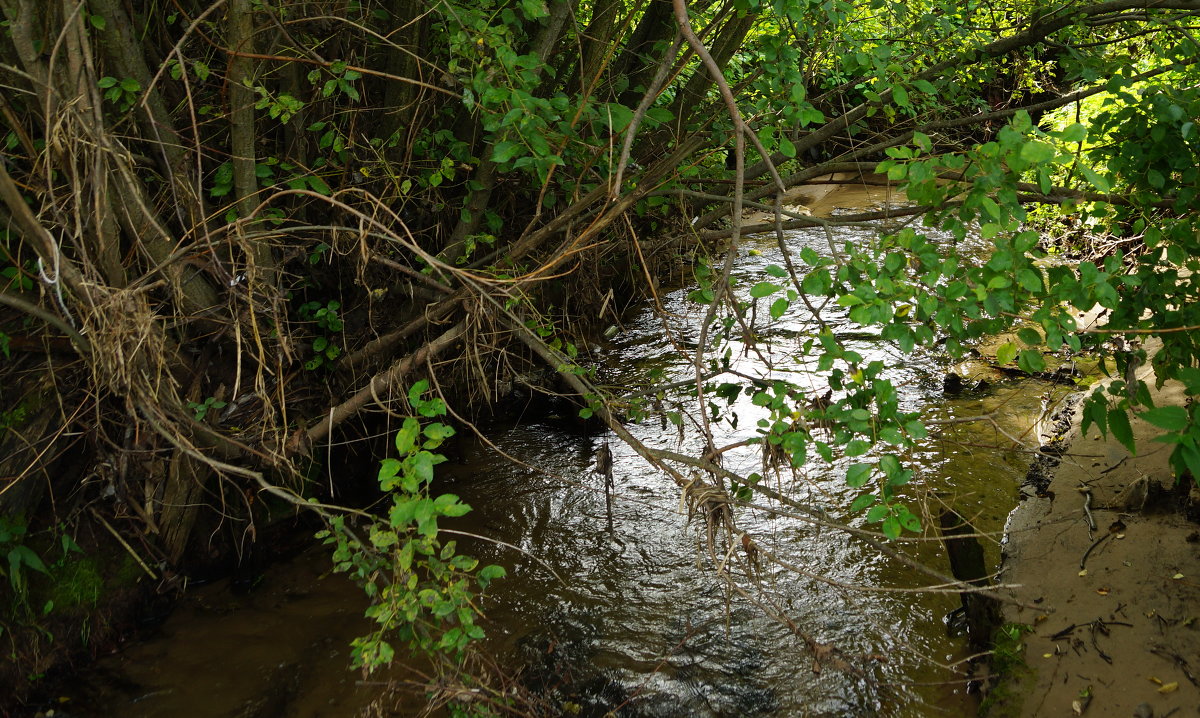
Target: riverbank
[1108, 567]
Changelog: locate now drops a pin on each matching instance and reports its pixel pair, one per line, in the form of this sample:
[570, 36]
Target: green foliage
[325, 316]
[201, 409]
[122, 93]
[19, 559]
[18, 278]
[282, 107]
[77, 582]
[423, 592]
[289, 175]
[342, 81]
[222, 182]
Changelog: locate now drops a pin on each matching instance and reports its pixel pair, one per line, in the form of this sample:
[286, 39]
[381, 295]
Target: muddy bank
[1108, 566]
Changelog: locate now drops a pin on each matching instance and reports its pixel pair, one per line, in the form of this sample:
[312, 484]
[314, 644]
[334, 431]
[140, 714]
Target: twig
[81, 343]
[1083, 561]
[1087, 508]
[122, 541]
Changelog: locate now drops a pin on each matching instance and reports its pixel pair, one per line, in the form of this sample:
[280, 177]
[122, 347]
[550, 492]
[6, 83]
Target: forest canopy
[232, 230]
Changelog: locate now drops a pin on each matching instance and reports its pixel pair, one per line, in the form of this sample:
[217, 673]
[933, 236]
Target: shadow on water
[632, 620]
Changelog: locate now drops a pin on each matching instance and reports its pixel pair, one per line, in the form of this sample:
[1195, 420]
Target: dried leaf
[1169, 687]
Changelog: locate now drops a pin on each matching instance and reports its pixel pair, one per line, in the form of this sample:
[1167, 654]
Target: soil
[1119, 635]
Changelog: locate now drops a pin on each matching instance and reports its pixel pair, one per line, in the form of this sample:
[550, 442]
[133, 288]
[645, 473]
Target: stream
[636, 614]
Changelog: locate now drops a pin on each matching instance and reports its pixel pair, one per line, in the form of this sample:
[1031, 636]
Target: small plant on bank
[19, 559]
[201, 409]
[122, 93]
[423, 592]
[325, 349]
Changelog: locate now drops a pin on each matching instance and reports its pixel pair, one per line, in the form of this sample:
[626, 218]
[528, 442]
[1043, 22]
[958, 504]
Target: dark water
[639, 611]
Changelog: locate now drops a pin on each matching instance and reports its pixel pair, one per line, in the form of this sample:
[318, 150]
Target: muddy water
[633, 613]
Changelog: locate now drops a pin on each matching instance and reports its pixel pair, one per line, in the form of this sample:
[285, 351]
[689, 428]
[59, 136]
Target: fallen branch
[378, 384]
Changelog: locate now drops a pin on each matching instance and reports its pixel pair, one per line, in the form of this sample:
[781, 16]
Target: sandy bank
[1119, 636]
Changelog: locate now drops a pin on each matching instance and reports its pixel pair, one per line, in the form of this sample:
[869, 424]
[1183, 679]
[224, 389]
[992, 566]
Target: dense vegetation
[231, 231]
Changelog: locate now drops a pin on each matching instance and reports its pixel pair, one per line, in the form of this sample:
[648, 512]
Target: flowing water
[636, 613]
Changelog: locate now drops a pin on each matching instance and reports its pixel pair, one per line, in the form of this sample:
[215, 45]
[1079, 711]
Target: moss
[127, 572]
[1011, 675]
[13, 418]
[76, 584]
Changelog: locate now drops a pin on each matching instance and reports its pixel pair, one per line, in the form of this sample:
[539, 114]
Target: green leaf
[1030, 279]
[98, 22]
[1074, 132]
[660, 114]
[1037, 152]
[858, 475]
[786, 148]
[438, 431]
[900, 95]
[863, 502]
[319, 186]
[1171, 418]
[925, 86]
[389, 469]
[617, 117]
[1030, 337]
[406, 438]
[776, 271]
[491, 572]
[505, 151]
[990, 206]
[810, 116]
[1006, 353]
[1187, 455]
[1099, 182]
[1031, 361]
[25, 555]
[779, 307]
[1118, 423]
[449, 505]
[422, 466]
[857, 447]
[764, 289]
[891, 527]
